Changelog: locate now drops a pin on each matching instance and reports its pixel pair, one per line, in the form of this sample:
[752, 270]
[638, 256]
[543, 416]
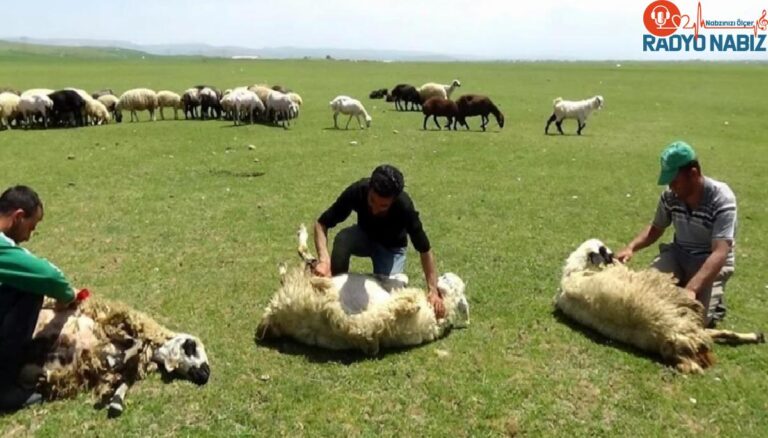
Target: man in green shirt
[24, 280]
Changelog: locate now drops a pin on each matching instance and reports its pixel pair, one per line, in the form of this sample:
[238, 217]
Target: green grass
[168, 217]
[20, 52]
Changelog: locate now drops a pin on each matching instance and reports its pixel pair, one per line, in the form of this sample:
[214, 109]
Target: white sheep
[110, 102]
[138, 99]
[9, 103]
[295, 98]
[169, 99]
[351, 107]
[262, 91]
[33, 105]
[246, 104]
[356, 311]
[644, 308]
[105, 346]
[97, 111]
[579, 110]
[433, 89]
[281, 108]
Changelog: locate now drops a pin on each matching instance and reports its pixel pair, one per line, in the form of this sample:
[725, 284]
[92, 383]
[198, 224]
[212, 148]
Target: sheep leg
[734, 338]
[425, 122]
[450, 123]
[434, 117]
[162, 114]
[582, 125]
[336, 119]
[552, 118]
[485, 120]
[303, 250]
[348, 120]
[152, 115]
[117, 403]
[559, 125]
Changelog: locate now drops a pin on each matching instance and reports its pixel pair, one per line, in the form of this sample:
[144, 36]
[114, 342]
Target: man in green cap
[703, 213]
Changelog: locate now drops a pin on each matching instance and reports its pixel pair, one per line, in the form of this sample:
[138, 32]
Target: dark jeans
[18, 316]
[353, 241]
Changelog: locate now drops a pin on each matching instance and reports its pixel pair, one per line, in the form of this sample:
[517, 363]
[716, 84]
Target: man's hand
[625, 255]
[691, 293]
[323, 268]
[437, 303]
[63, 305]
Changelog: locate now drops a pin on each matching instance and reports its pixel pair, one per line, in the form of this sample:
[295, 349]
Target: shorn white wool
[358, 311]
[643, 308]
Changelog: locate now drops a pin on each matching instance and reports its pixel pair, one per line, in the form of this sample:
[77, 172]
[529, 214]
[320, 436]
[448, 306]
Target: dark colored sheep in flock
[437, 106]
[104, 92]
[402, 95]
[67, 103]
[378, 94]
[470, 105]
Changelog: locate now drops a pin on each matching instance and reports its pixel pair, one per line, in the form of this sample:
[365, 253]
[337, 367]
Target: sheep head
[184, 355]
[599, 101]
[590, 255]
[456, 305]
[456, 83]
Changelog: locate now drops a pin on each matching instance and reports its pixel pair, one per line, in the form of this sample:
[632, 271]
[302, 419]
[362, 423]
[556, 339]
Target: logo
[670, 30]
[658, 18]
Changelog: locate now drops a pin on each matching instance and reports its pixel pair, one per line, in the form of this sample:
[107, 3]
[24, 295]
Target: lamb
[169, 99]
[378, 94]
[432, 89]
[351, 107]
[476, 105]
[579, 110]
[105, 347]
[437, 106]
[35, 105]
[9, 103]
[97, 111]
[357, 311]
[190, 100]
[110, 102]
[644, 308]
[402, 95]
[281, 107]
[138, 99]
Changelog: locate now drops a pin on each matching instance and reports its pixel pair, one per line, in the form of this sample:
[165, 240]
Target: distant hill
[124, 49]
[9, 49]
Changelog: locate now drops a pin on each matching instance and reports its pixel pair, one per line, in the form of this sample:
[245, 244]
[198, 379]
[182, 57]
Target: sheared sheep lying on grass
[358, 311]
[105, 347]
[645, 309]
[579, 110]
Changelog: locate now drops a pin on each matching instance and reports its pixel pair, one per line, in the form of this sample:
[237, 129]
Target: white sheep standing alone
[138, 99]
[579, 110]
[433, 89]
[351, 107]
[33, 105]
[169, 99]
[9, 103]
[645, 309]
[357, 311]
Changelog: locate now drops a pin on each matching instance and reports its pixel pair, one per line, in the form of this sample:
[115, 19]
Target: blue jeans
[353, 241]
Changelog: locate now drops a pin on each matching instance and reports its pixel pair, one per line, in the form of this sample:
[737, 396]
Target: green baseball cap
[675, 156]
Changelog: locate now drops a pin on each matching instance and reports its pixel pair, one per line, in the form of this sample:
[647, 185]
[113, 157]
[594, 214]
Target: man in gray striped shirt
[703, 213]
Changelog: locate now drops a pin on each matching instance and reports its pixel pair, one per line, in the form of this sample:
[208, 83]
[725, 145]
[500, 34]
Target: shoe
[14, 397]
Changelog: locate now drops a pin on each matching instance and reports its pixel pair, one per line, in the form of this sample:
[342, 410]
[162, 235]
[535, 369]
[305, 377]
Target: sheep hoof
[115, 409]
[760, 338]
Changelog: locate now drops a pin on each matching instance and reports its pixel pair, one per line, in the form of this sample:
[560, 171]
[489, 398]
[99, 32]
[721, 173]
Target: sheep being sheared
[358, 311]
[645, 309]
[105, 347]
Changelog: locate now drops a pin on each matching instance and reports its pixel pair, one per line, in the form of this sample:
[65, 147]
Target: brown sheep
[477, 105]
[437, 106]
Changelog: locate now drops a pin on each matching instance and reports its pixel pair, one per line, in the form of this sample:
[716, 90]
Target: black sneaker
[14, 397]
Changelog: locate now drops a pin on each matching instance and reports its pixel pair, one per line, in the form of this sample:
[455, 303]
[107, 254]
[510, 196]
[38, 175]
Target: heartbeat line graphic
[684, 21]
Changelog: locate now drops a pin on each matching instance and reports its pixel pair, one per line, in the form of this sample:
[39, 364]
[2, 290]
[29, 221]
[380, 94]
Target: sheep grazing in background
[97, 111]
[169, 99]
[110, 102]
[351, 107]
[9, 103]
[209, 102]
[262, 91]
[37, 91]
[579, 110]
[105, 92]
[357, 311]
[645, 309]
[244, 104]
[10, 90]
[280, 89]
[105, 347]
[295, 98]
[68, 106]
[281, 108]
[138, 99]
[470, 105]
[35, 105]
[404, 94]
[190, 100]
[432, 89]
[378, 94]
[437, 106]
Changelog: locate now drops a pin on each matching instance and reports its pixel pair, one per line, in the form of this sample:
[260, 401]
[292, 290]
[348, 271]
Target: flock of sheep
[41, 107]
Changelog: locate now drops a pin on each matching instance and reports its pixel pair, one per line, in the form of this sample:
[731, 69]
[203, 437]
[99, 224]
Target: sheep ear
[165, 356]
[607, 256]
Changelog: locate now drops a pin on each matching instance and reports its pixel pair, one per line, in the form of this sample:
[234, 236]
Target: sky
[499, 29]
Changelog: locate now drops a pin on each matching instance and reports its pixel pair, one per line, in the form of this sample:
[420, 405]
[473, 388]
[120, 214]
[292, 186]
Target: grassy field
[182, 220]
